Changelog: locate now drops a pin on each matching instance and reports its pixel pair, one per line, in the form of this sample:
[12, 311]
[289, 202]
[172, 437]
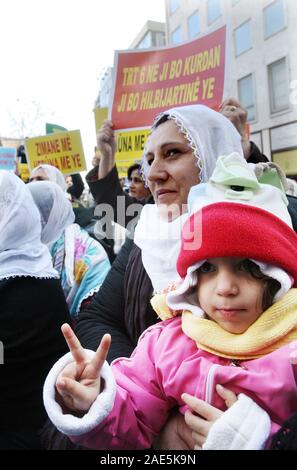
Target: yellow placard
[63, 150]
[100, 115]
[287, 160]
[24, 171]
[130, 145]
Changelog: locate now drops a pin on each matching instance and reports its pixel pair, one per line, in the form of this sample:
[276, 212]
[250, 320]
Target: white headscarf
[53, 175]
[55, 209]
[21, 250]
[210, 135]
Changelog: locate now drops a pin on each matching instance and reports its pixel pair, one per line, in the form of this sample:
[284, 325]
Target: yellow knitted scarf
[275, 328]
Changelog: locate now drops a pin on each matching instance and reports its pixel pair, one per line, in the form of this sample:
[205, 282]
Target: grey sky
[53, 52]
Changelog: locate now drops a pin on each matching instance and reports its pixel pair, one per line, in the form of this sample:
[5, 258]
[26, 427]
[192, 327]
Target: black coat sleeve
[255, 155]
[109, 191]
[105, 314]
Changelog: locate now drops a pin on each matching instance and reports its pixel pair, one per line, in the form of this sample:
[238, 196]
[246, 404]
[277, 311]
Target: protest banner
[100, 114]
[148, 82]
[63, 150]
[7, 158]
[130, 145]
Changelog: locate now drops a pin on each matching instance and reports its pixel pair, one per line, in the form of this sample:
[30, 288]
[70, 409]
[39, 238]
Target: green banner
[52, 128]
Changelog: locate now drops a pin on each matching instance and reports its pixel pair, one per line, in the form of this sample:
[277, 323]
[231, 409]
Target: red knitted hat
[226, 229]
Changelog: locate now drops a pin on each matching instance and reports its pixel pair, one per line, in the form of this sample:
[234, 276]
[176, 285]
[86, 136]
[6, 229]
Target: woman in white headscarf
[81, 261]
[83, 216]
[48, 172]
[181, 150]
[55, 209]
[32, 309]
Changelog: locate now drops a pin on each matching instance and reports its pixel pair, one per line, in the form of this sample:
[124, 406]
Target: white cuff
[244, 426]
[67, 423]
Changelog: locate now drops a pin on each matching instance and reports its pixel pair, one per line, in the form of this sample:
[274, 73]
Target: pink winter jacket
[165, 364]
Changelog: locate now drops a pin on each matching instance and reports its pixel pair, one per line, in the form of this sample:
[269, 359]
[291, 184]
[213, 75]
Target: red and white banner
[148, 82]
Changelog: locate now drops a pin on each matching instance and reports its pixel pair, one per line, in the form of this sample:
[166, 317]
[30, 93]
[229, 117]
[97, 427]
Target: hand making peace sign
[79, 384]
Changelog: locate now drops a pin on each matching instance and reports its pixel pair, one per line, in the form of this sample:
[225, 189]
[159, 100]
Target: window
[146, 41]
[213, 10]
[243, 38]
[193, 25]
[176, 36]
[246, 95]
[173, 6]
[278, 85]
[274, 18]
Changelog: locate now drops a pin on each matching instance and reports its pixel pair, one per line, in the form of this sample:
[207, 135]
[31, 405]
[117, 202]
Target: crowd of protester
[182, 325]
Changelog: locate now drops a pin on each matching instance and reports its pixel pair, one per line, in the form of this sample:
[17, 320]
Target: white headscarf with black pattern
[210, 135]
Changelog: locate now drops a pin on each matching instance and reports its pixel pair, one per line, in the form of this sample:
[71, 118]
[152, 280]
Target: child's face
[228, 294]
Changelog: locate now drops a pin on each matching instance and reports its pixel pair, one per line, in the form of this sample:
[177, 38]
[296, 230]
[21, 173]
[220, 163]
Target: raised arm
[104, 181]
[237, 114]
[107, 145]
[126, 411]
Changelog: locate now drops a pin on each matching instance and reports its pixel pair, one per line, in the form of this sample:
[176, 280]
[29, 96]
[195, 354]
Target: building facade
[263, 63]
[105, 87]
[153, 34]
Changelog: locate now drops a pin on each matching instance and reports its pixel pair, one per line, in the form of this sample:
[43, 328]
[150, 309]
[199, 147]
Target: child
[230, 321]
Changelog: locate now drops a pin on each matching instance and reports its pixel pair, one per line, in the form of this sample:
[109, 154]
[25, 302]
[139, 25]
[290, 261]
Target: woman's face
[173, 170]
[39, 175]
[137, 188]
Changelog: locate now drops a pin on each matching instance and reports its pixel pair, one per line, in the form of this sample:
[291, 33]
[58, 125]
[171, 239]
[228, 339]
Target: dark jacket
[286, 437]
[121, 307]
[31, 314]
[255, 155]
[107, 191]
